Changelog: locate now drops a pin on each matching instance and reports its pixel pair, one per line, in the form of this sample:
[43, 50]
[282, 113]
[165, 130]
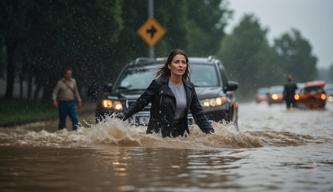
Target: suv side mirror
[232, 86]
[107, 87]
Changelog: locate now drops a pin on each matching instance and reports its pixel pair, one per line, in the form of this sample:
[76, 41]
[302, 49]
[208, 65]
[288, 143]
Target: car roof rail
[142, 60]
[161, 59]
[214, 59]
[210, 58]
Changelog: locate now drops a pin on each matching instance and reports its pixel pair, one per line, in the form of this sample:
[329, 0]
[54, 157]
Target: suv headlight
[112, 104]
[275, 96]
[213, 102]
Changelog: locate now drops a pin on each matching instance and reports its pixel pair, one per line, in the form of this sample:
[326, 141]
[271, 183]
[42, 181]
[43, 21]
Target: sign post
[151, 31]
[151, 15]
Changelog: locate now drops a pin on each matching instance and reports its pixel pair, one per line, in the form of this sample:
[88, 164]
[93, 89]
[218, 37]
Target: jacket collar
[165, 80]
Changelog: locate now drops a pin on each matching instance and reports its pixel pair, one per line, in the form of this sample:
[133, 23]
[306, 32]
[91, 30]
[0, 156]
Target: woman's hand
[210, 131]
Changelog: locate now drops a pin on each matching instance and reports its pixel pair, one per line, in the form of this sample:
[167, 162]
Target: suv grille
[131, 103]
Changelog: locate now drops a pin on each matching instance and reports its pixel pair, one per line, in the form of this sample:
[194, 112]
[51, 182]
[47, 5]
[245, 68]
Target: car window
[263, 91]
[203, 75]
[276, 89]
[137, 78]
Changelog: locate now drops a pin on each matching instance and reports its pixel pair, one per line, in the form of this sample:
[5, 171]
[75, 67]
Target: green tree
[174, 23]
[248, 57]
[195, 26]
[50, 35]
[97, 37]
[14, 24]
[129, 44]
[206, 21]
[2, 58]
[295, 55]
[134, 14]
[70, 33]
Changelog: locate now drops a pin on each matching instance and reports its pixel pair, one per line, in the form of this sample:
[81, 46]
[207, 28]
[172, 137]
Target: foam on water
[116, 132]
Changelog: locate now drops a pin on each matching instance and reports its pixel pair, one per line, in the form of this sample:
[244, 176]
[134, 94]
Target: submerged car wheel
[235, 118]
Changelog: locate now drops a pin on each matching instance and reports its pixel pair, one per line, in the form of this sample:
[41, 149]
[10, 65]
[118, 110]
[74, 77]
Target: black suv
[215, 92]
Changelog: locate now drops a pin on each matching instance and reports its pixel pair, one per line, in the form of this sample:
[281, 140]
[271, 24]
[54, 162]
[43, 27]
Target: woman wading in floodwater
[172, 96]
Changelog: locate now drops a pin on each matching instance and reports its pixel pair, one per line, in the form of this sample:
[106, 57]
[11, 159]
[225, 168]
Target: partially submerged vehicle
[312, 95]
[214, 90]
[275, 95]
[262, 95]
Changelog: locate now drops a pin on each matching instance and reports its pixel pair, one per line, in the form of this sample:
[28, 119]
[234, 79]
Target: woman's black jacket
[163, 105]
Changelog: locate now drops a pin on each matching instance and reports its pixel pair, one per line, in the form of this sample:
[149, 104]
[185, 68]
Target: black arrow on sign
[151, 31]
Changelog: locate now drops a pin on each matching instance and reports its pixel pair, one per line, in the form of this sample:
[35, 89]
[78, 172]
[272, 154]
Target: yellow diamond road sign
[151, 32]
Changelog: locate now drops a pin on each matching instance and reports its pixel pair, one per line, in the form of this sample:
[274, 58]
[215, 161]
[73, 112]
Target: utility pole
[151, 15]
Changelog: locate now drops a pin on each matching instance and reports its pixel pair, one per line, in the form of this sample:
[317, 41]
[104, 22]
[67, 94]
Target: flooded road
[274, 150]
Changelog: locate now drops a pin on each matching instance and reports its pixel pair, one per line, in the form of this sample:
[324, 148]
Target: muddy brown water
[275, 150]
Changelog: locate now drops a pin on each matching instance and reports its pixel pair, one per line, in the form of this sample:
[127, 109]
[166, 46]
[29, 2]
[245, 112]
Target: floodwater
[275, 150]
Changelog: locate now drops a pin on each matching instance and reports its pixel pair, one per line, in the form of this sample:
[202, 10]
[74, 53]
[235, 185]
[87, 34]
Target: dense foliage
[254, 63]
[38, 38]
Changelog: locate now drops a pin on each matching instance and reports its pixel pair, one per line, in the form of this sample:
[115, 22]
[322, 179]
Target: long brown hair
[165, 71]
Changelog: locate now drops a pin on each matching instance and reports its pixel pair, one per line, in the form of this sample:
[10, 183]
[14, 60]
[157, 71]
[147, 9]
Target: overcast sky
[314, 18]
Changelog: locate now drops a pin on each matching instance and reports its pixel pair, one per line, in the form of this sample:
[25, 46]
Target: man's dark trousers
[67, 108]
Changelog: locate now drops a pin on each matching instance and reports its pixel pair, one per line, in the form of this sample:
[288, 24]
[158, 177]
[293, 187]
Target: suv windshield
[276, 89]
[263, 91]
[138, 78]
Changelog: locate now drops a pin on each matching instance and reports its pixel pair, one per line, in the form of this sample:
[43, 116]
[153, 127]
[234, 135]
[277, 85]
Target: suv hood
[202, 92]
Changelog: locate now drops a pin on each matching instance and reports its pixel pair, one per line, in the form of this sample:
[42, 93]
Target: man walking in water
[289, 92]
[65, 95]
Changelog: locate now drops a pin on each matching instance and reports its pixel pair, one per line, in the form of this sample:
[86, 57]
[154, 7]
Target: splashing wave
[116, 132]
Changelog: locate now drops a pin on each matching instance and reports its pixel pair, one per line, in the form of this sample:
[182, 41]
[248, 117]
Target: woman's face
[178, 65]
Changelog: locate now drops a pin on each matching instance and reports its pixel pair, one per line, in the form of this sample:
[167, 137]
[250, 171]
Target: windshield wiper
[124, 88]
[127, 88]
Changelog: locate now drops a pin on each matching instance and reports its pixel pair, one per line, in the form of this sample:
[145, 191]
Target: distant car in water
[275, 95]
[215, 92]
[329, 92]
[312, 95]
[262, 95]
